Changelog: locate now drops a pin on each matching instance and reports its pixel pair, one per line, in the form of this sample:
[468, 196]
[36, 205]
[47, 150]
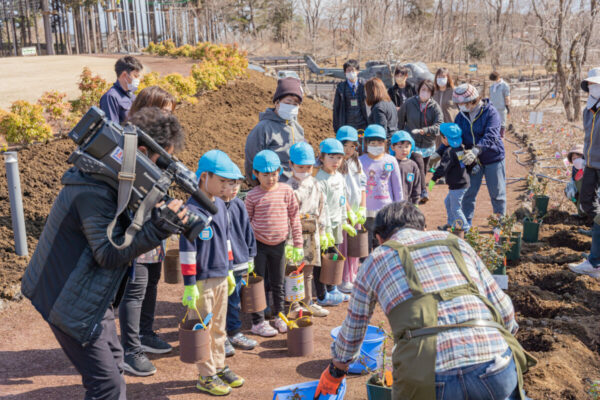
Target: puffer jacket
[75, 273]
[484, 132]
[411, 117]
[272, 133]
[591, 140]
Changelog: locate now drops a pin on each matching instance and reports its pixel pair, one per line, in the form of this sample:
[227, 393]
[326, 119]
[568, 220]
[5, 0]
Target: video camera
[100, 153]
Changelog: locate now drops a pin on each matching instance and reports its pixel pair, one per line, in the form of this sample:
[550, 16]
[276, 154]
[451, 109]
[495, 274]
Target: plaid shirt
[381, 278]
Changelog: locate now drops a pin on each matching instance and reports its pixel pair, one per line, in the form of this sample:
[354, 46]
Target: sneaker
[337, 295]
[444, 227]
[138, 364]
[153, 344]
[329, 301]
[213, 385]
[230, 377]
[229, 350]
[585, 268]
[280, 325]
[346, 287]
[240, 341]
[318, 311]
[264, 329]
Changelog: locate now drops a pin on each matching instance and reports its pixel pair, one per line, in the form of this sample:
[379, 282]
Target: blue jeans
[594, 257]
[456, 217]
[234, 306]
[472, 382]
[495, 178]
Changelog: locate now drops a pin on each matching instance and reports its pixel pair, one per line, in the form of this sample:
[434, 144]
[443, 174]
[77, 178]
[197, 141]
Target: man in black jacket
[402, 90]
[349, 107]
[76, 276]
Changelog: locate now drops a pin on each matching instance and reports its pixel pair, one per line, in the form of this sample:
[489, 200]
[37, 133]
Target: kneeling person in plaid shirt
[452, 325]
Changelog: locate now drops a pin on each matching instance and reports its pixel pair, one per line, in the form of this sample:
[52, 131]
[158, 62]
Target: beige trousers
[213, 299]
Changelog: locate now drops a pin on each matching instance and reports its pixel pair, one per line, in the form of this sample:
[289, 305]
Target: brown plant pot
[332, 271]
[253, 295]
[300, 341]
[358, 246]
[172, 267]
[194, 346]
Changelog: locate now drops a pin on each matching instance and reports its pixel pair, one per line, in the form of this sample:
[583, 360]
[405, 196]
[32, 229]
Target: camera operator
[76, 276]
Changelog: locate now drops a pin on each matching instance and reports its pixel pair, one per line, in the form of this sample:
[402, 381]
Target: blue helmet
[452, 132]
[347, 132]
[402, 136]
[331, 146]
[302, 153]
[375, 131]
[266, 161]
[218, 163]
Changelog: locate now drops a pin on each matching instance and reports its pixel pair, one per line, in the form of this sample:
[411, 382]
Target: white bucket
[294, 287]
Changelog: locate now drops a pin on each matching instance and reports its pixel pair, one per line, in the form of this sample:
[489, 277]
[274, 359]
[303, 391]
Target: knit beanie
[464, 93]
[288, 86]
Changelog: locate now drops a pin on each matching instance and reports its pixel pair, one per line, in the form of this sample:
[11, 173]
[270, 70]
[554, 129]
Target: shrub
[208, 76]
[55, 105]
[183, 89]
[25, 123]
[92, 88]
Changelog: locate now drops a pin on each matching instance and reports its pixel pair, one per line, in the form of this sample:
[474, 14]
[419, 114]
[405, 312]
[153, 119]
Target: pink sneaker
[280, 325]
[264, 329]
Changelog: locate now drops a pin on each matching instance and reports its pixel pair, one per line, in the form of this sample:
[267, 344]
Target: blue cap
[452, 132]
[266, 161]
[218, 163]
[347, 132]
[375, 131]
[331, 146]
[302, 153]
[402, 136]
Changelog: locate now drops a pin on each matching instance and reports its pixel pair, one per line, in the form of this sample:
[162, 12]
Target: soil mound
[221, 119]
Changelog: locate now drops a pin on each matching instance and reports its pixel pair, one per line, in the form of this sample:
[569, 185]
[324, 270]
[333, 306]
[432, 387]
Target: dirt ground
[556, 308]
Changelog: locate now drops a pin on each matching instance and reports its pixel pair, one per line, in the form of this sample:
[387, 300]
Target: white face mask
[463, 108]
[579, 163]
[594, 95]
[375, 150]
[288, 111]
[135, 83]
[424, 95]
[442, 81]
[352, 76]
[301, 175]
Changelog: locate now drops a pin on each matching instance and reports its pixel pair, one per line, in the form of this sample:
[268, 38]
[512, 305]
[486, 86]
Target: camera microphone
[205, 202]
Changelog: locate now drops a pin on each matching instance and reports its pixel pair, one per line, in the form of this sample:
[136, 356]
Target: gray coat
[75, 273]
[410, 117]
[384, 114]
[272, 133]
[591, 140]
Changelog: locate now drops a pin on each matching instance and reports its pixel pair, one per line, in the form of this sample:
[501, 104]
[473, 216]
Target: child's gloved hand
[362, 215]
[250, 267]
[431, 185]
[352, 217]
[191, 295]
[349, 229]
[297, 254]
[230, 283]
[289, 250]
[323, 242]
[330, 240]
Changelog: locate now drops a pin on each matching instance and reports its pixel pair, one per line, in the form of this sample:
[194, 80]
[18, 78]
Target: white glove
[417, 131]
[470, 156]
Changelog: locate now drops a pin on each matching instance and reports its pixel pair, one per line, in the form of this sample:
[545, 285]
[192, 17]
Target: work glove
[349, 229]
[230, 283]
[191, 295]
[362, 215]
[250, 267]
[328, 384]
[571, 191]
[352, 217]
[167, 220]
[434, 158]
[323, 241]
[417, 131]
[297, 254]
[289, 251]
[431, 185]
[330, 240]
[470, 156]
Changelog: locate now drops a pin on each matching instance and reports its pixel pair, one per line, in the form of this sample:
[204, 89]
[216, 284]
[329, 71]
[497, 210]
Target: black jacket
[75, 273]
[411, 117]
[455, 173]
[339, 104]
[400, 95]
[384, 113]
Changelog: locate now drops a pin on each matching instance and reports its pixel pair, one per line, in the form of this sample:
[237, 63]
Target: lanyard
[424, 112]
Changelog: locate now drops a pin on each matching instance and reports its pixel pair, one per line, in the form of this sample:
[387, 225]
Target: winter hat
[266, 161]
[402, 136]
[302, 153]
[593, 77]
[347, 132]
[331, 146]
[577, 149]
[218, 163]
[452, 132]
[375, 131]
[288, 86]
[464, 93]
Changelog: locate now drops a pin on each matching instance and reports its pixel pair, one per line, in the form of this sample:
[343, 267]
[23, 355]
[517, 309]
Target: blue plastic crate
[306, 391]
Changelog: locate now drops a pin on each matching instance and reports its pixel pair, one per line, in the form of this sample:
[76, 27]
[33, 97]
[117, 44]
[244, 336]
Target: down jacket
[75, 272]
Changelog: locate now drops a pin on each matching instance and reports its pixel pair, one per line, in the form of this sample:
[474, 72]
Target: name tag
[410, 177]
[389, 167]
[353, 103]
[206, 234]
[342, 200]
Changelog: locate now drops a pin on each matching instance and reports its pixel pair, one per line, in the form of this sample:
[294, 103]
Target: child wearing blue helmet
[456, 174]
[402, 147]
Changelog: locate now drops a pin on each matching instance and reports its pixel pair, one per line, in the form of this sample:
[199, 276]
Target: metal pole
[16, 202]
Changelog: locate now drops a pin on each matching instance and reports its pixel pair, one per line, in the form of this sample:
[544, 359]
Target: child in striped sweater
[273, 210]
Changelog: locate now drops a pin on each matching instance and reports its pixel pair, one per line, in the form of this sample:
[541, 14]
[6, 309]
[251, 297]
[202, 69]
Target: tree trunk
[152, 18]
